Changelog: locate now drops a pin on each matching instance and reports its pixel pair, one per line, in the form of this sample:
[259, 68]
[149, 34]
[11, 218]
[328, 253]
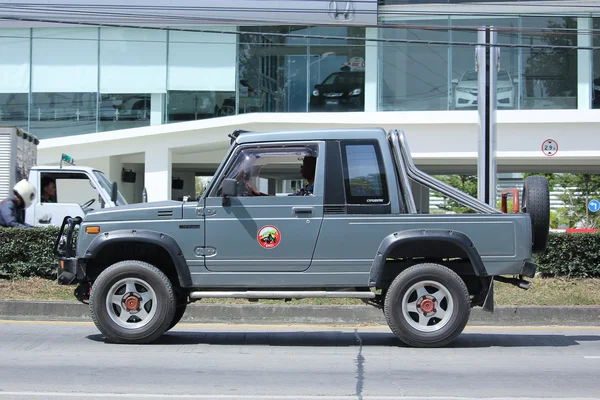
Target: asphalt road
[57, 360]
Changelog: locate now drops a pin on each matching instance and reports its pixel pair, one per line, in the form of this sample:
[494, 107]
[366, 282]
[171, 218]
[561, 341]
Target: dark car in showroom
[340, 91]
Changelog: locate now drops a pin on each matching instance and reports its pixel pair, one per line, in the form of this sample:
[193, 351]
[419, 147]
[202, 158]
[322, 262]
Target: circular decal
[269, 237]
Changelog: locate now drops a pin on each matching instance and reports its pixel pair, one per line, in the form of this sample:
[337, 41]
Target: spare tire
[536, 203]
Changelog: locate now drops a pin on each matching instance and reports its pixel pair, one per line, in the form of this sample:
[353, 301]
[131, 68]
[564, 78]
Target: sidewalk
[326, 315]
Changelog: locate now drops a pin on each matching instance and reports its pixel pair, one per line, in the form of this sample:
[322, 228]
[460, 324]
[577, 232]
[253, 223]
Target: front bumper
[67, 271]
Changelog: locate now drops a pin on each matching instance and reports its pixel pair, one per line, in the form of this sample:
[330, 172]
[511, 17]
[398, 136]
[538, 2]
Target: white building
[155, 87]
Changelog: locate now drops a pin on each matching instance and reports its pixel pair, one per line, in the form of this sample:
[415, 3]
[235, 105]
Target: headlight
[315, 92]
[464, 90]
[355, 92]
[506, 89]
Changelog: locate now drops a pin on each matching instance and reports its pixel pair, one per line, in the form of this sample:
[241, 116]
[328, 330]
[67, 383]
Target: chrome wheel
[131, 303]
[427, 306]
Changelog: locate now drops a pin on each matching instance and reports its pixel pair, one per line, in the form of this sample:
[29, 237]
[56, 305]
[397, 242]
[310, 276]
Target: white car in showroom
[465, 92]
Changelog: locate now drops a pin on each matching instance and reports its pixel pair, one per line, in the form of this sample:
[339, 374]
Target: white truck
[78, 189]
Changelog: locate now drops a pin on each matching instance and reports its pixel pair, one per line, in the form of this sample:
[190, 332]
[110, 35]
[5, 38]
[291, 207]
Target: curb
[302, 315]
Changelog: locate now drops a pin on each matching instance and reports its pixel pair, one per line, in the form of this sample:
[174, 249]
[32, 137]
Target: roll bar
[408, 169]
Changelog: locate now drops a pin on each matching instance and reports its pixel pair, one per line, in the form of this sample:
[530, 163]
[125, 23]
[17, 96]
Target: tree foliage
[465, 183]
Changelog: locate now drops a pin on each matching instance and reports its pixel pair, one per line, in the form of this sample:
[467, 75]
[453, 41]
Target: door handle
[302, 210]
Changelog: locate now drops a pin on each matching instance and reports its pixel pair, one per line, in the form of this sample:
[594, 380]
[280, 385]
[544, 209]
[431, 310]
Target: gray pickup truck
[305, 214]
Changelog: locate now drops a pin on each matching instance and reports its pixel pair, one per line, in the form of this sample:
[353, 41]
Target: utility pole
[487, 64]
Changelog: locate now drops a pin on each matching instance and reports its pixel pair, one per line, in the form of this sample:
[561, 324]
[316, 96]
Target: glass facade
[596, 65]
[69, 81]
[420, 76]
[281, 73]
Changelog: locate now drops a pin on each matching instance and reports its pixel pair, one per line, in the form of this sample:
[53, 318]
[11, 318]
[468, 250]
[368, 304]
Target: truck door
[60, 194]
[265, 227]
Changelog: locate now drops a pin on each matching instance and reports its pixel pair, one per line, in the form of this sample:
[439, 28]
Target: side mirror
[114, 191]
[229, 187]
[455, 81]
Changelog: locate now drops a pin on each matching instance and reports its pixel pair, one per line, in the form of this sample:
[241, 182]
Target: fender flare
[413, 236]
[144, 236]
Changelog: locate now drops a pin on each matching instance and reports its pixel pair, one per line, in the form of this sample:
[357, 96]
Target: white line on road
[592, 357]
[259, 397]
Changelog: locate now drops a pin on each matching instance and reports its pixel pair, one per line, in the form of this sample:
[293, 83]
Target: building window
[414, 77]
[62, 114]
[596, 66]
[549, 75]
[293, 74]
[419, 76]
[183, 105]
[122, 111]
[13, 109]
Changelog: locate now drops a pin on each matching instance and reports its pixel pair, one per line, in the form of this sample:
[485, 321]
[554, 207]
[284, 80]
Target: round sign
[269, 237]
[594, 205]
[549, 147]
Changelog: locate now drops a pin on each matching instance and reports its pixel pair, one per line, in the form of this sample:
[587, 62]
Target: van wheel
[132, 302]
[427, 305]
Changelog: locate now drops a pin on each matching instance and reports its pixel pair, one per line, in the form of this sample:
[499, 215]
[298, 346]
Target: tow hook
[518, 282]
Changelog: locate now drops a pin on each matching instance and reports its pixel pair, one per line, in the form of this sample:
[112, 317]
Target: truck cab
[72, 191]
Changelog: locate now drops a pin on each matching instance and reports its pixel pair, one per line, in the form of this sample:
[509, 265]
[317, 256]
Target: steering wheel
[87, 204]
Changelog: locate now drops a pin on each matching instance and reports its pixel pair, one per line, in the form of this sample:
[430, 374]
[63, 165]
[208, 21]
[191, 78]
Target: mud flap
[488, 303]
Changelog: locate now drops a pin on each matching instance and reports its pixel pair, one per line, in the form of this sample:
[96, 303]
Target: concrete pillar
[157, 108]
[371, 70]
[584, 64]
[157, 173]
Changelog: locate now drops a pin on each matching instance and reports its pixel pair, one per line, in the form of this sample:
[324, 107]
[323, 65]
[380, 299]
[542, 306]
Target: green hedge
[572, 255]
[28, 252]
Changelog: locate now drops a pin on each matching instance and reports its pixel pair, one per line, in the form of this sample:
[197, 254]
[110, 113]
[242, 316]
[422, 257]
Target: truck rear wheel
[427, 305]
[132, 302]
[536, 203]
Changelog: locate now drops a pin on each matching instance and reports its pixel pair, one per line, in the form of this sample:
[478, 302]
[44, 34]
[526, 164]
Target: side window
[364, 176]
[281, 171]
[71, 187]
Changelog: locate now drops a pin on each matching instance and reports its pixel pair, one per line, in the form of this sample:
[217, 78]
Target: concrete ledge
[290, 315]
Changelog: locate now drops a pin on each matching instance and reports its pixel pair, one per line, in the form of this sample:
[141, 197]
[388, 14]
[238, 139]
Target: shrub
[27, 252]
[572, 255]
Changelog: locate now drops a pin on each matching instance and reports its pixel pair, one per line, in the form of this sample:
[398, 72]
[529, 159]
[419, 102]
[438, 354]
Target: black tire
[179, 312]
[536, 203]
[443, 331]
[160, 310]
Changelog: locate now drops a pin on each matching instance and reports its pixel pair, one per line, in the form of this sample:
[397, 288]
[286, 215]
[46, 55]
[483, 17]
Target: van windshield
[107, 186]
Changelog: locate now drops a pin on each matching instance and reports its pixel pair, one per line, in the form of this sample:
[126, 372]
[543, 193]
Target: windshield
[344, 78]
[107, 186]
[471, 75]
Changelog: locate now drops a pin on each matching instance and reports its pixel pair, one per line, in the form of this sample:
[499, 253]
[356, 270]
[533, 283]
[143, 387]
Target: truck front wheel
[427, 305]
[132, 302]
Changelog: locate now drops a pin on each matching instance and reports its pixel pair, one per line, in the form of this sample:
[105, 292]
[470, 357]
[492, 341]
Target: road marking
[260, 397]
[592, 357]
